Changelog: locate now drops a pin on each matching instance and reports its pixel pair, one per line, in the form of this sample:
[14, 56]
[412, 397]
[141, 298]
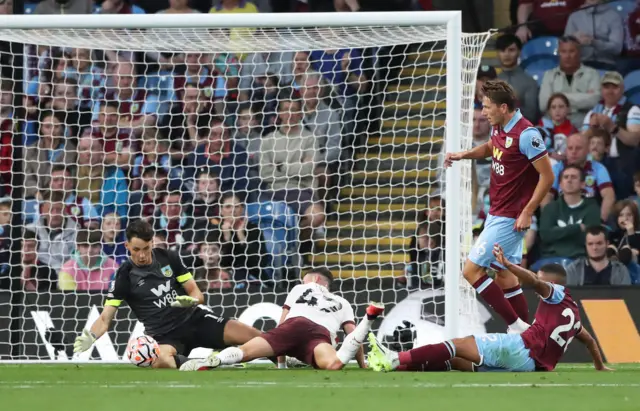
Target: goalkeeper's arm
[85, 340]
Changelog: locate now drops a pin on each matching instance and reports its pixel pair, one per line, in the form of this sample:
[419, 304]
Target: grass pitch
[260, 388]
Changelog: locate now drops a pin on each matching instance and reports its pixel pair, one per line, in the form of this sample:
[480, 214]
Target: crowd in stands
[190, 142]
[589, 222]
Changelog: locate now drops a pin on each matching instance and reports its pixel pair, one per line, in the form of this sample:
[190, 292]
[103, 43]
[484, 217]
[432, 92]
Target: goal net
[256, 151]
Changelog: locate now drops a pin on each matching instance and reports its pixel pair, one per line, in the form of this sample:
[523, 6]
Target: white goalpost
[258, 146]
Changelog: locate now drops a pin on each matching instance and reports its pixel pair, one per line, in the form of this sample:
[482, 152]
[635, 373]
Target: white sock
[353, 341]
[230, 356]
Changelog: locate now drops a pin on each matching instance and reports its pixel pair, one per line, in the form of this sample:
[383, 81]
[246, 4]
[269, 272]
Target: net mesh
[254, 153]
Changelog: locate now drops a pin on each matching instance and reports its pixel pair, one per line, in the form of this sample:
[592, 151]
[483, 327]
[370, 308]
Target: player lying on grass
[311, 318]
[165, 298]
[521, 177]
[539, 348]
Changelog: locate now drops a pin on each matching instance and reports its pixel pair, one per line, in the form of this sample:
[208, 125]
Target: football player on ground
[165, 298]
[539, 348]
[311, 318]
[521, 176]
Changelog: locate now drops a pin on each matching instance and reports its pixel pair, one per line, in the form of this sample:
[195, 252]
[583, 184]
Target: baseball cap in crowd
[612, 77]
[487, 72]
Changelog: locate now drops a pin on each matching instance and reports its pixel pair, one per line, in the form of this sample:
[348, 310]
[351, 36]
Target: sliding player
[165, 298]
[521, 176]
[539, 348]
[311, 318]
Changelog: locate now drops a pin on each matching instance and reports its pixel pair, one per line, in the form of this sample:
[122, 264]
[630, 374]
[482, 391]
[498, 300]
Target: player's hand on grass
[84, 341]
[450, 158]
[184, 301]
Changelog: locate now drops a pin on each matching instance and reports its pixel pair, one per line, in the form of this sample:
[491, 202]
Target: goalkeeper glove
[184, 301]
[84, 341]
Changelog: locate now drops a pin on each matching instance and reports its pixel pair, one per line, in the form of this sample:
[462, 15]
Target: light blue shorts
[504, 352]
[497, 230]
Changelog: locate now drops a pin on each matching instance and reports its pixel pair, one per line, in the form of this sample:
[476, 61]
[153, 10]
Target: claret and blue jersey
[515, 147]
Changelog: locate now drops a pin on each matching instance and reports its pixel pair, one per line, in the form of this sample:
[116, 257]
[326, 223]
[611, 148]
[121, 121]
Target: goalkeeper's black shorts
[204, 329]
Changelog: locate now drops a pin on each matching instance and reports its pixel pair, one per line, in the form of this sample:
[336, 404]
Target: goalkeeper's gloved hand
[84, 341]
[184, 301]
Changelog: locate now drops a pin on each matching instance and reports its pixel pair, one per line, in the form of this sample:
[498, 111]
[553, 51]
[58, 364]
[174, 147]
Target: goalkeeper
[165, 298]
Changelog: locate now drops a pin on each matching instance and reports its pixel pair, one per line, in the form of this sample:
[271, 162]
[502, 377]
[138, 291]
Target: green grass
[257, 388]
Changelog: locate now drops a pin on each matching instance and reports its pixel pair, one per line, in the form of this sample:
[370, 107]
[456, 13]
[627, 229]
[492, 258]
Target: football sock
[180, 359]
[518, 302]
[230, 356]
[429, 367]
[432, 353]
[493, 295]
[353, 341]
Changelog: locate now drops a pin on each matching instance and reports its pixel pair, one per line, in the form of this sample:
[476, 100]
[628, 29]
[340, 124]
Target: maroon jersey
[557, 322]
[204, 81]
[115, 142]
[513, 177]
[132, 107]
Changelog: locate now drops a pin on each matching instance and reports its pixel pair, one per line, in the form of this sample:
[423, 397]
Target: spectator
[597, 180]
[621, 118]
[64, 7]
[116, 141]
[248, 131]
[324, 123]
[64, 101]
[257, 66]
[120, 7]
[624, 241]
[155, 152]
[636, 187]
[578, 82]
[599, 147]
[426, 268]
[236, 6]
[599, 30]
[191, 112]
[301, 66]
[171, 219]
[205, 206]
[113, 238]
[36, 275]
[596, 268]
[563, 222]
[243, 250]
[137, 108]
[485, 73]
[509, 47]
[52, 149]
[544, 17]
[178, 7]
[6, 135]
[6, 242]
[481, 170]
[287, 163]
[55, 232]
[196, 74]
[88, 269]
[209, 275]
[104, 185]
[632, 41]
[88, 75]
[227, 158]
[557, 126]
[143, 203]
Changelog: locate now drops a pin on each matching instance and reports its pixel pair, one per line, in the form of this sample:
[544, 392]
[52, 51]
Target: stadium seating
[29, 8]
[632, 86]
[279, 228]
[623, 7]
[541, 48]
[537, 68]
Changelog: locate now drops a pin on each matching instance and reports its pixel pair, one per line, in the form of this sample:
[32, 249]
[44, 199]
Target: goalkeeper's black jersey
[149, 291]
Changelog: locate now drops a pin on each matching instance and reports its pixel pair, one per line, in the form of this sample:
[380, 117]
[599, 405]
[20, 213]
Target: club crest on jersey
[508, 142]
[167, 271]
[135, 108]
[112, 286]
[589, 180]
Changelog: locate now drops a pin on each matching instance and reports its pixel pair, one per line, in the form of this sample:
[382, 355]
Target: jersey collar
[516, 117]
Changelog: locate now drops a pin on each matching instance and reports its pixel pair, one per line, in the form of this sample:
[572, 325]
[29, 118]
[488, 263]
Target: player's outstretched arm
[476, 153]
[348, 329]
[585, 338]
[195, 296]
[525, 276]
[85, 340]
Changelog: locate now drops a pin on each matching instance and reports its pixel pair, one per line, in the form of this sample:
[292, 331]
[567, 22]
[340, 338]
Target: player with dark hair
[311, 317]
[521, 176]
[165, 298]
[539, 348]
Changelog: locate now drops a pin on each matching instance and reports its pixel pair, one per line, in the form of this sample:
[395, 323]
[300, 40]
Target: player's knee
[164, 361]
[334, 365]
[472, 272]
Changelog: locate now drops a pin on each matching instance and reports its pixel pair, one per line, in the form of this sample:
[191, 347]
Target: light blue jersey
[503, 352]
